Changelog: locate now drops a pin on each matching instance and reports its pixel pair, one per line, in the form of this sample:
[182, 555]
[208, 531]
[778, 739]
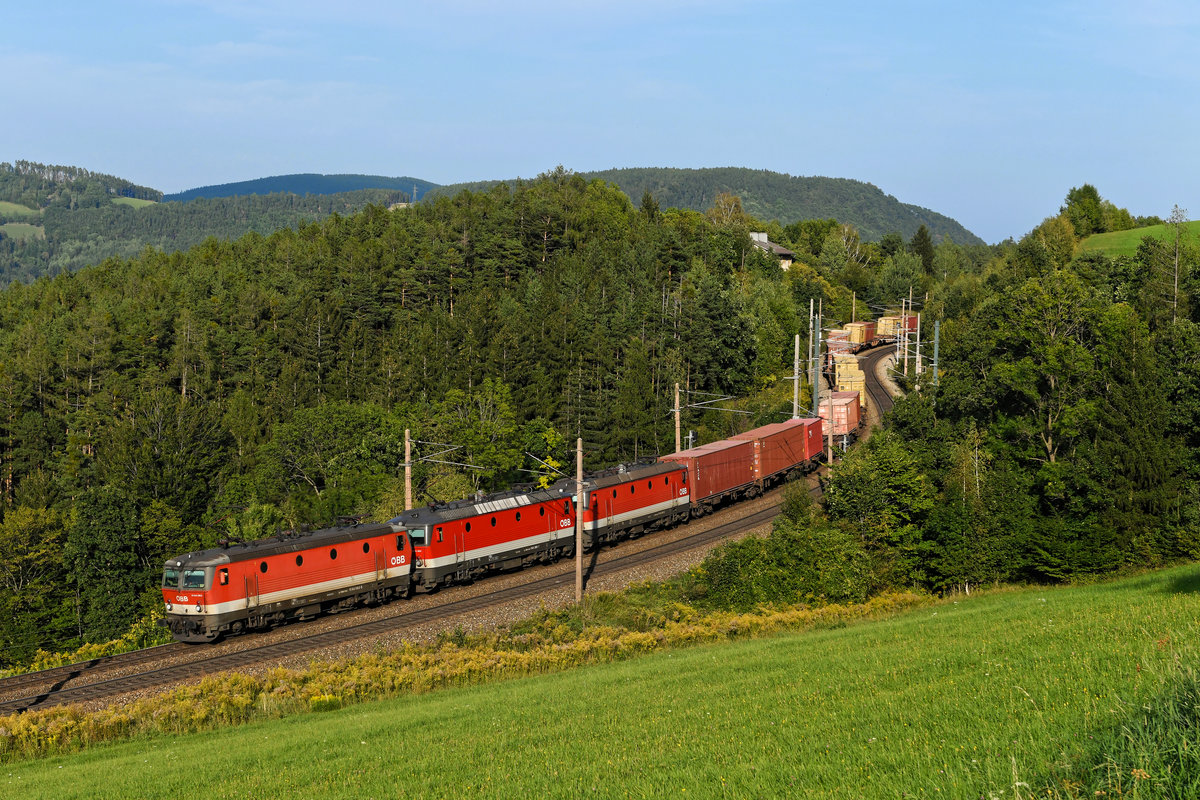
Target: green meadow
[1022, 693]
[22, 230]
[132, 201]
[16, 210]
[1125, 243]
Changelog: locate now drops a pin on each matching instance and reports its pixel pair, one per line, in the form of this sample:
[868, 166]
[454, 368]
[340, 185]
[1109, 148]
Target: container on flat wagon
[910, 320]
[843, 413]
[839, 342]
[849, 370]
[717, 467]
[854, 406]
[860, 332]
[782, 446]
[888, 326]
[849, 383]
[862, 398]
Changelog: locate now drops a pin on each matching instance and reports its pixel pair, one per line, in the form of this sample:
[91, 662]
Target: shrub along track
[112, 676]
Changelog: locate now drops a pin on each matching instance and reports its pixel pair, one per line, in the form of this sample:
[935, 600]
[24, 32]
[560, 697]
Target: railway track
[102, 688]
[59, 676]
[880, 399]
[54, 683]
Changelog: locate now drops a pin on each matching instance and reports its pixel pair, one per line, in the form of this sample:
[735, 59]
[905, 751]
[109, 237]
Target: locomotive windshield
[194, 579]
[171, 578]
[417, 535]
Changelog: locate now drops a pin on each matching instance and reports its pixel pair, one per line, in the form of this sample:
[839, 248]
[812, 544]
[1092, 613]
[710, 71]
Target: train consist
[260, 584]
[843, 346]
[290, 576]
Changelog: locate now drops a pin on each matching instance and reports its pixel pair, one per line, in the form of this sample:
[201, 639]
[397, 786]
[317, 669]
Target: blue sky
[988, 114]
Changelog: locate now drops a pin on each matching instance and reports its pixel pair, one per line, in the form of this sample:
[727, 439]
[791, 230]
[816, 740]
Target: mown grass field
[13, 210]
[975, 698]
[1125, 243]
[132, 201]
[22, 230]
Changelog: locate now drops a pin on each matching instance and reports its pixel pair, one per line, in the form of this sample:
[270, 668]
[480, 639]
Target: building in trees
[786, 257]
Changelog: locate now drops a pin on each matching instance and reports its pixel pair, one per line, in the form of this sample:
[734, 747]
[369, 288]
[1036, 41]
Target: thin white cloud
[229, 52]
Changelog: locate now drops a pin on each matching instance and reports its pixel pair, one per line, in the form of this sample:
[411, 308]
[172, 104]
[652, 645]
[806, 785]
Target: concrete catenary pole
[918, 343]
[678, 414]
[829, 428]
[407, 470]
[795, 383]
[578, 520]
[936, 330]
[816, 384]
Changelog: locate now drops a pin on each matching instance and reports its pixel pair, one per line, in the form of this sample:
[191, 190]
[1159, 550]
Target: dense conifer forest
[158, 403]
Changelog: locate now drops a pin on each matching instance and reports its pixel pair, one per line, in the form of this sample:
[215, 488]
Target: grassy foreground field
[992, 696]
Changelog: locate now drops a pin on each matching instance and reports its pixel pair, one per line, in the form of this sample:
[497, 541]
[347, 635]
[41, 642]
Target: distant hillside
[308, 183]
[770, 195]
[59, 219]
[1125, 243]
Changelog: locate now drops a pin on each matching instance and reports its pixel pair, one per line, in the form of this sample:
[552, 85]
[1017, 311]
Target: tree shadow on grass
[1188, 583]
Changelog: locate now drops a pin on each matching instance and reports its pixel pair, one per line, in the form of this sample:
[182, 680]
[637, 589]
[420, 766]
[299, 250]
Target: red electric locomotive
[290, 576]
[463, 540]
[627, 501]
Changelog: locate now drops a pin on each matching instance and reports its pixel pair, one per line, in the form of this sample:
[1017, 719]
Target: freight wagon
[784, 449]
[718, 472]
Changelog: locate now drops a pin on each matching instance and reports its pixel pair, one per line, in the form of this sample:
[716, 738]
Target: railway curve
[87, 681]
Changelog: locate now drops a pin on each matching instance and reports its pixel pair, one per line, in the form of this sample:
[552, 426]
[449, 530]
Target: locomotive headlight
[197, 608]
[168, 605]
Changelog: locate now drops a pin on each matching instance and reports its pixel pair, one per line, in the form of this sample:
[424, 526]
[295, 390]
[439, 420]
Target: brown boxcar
[783, 446]
[717, 471]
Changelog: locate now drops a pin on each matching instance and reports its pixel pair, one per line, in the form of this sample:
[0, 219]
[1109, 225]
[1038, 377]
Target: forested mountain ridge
[37, 186]
[60, 219]
[769, 195]
[307, 183]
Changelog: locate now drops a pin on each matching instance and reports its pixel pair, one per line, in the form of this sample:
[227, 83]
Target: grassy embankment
[1125, 243]
[1003, 695]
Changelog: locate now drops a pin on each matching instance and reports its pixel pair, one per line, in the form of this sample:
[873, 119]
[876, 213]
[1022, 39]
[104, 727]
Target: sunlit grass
[966, 699]
[132, 201]
[1125, 243]
[15, 210]
[22, 230]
